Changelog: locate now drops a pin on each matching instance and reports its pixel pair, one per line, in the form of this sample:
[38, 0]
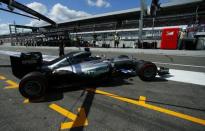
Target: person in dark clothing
[116, 40]
[1, 43]
[61, 48]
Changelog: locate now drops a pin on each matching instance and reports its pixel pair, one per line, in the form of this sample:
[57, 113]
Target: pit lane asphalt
[105, 113]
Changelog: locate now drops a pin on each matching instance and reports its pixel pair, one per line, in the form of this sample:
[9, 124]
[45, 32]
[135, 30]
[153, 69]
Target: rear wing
[25, 63]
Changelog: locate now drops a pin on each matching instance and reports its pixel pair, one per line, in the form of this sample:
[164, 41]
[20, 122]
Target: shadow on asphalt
[87, 104]
[159, 79]
[56, 93]
[5, 66]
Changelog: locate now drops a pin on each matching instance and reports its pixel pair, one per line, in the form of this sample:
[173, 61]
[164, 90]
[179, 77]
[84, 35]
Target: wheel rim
[32, 88]
[149, 72]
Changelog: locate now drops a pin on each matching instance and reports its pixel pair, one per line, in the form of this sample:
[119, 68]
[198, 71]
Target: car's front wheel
[33, 85]
[147, 71]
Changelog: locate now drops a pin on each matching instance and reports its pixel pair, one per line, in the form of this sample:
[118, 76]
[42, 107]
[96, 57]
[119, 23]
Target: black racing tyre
[33, 85]
[147, 71]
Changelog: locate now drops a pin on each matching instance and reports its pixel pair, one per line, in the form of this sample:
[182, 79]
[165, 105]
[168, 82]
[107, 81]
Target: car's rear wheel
[147, 71]
[33, 85]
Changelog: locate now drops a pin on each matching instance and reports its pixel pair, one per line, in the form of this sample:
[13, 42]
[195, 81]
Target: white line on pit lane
[179, 65]
[10, 53]
[191, 77]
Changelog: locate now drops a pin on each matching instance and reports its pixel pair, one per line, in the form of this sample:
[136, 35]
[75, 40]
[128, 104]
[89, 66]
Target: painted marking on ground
[142, 103]
[192, 77]
[77, 120]
[26, 101]
[2, 77]
[13, 53]
[195, 66]
[11, 84]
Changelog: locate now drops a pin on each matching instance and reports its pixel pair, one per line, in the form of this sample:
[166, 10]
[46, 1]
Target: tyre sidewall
[34, 77]
[144, 66]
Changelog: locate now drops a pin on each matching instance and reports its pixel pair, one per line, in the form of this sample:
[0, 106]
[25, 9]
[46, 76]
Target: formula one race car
[75, 67]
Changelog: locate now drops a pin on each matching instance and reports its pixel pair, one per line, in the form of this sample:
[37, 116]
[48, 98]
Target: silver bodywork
[87, 68]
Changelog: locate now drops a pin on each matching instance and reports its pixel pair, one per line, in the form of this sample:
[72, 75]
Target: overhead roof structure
[14, 4]
[174, 9]
[24, 26]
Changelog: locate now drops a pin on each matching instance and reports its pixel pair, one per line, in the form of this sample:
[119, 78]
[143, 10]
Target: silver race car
[38, 75]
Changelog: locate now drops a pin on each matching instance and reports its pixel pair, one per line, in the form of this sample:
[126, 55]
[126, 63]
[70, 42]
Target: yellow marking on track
[26, 101]
[81, 120]
[63, 111]
[11, 84]
[78, 120]
[142, 100]
[2, 77]
[151, 107]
